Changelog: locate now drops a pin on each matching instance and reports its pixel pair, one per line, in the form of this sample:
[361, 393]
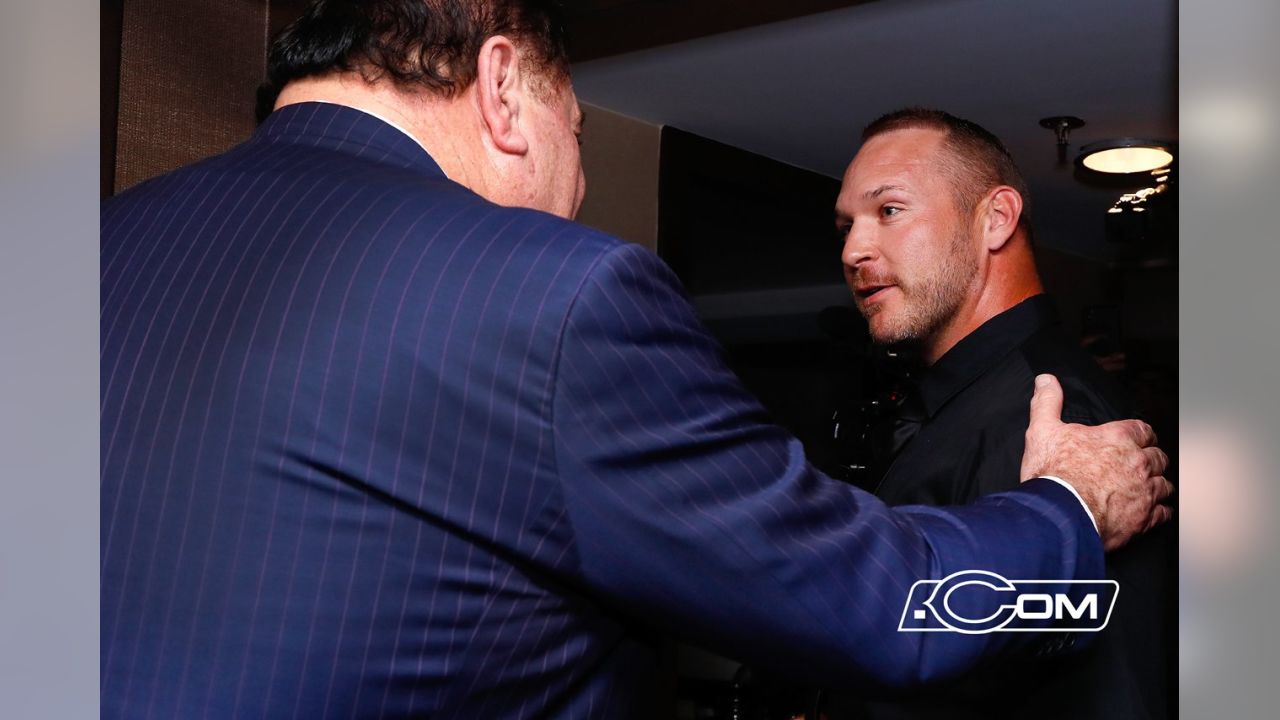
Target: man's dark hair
[430, 44]
[979, 161]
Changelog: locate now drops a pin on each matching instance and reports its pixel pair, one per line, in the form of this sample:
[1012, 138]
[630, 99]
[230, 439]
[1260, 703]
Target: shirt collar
[981, 349]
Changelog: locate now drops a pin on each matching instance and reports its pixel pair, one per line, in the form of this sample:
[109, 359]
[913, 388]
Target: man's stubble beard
[931, 302]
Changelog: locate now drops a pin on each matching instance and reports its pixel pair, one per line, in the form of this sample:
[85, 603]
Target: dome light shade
[1125, 156]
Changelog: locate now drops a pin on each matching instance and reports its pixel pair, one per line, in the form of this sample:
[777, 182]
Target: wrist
[1087, 508]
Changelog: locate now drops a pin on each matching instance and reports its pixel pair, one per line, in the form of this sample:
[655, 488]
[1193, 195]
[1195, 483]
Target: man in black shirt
[937, 251]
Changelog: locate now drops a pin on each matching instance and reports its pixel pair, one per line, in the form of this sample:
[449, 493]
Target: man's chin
[887, 334]
[882, 331]
[888, 340]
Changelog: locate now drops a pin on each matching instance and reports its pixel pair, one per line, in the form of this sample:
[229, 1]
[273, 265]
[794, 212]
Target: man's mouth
[871, 293]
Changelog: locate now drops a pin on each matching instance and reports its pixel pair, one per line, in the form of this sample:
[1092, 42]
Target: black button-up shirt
[972, 407]
[975, 402]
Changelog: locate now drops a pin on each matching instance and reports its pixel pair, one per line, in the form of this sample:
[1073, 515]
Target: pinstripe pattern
[373, 447]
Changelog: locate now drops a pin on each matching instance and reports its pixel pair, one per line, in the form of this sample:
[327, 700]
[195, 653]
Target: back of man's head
[977, 160]
[417, 44]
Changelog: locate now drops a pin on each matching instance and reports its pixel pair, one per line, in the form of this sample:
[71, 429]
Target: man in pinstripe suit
[384, 434]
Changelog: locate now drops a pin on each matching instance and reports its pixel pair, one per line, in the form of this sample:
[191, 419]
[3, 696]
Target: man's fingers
[1137, 431]
[1164, 489]
[1145, 435]
[1046, 403]
[1160, 515]
[1157, 460]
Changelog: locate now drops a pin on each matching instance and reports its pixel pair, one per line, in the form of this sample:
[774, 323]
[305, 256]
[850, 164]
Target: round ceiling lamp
[1125, 156]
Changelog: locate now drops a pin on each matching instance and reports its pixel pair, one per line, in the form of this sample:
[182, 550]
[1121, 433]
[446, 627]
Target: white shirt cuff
[1087, 511]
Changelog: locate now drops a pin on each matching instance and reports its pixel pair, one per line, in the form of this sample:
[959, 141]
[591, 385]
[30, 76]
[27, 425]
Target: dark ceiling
[601, 28]
[799, 90]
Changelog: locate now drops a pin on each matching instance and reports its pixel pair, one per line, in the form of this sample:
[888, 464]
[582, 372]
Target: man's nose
[858, 248]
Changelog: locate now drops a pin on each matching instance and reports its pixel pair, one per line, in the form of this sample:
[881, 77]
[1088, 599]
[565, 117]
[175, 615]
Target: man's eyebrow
[873, 194]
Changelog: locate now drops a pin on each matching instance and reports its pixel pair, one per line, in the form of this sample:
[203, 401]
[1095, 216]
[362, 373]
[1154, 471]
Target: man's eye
[842, 231]
[890, 210]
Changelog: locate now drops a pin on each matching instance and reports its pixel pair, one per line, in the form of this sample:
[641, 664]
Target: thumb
[1046, 403]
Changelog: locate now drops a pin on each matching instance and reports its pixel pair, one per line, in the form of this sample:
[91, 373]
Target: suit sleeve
[691, 511]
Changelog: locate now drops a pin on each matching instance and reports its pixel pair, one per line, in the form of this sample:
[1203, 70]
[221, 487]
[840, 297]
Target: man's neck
[974, 314]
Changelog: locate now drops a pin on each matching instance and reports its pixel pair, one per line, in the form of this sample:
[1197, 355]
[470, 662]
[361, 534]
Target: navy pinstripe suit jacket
[373, 446]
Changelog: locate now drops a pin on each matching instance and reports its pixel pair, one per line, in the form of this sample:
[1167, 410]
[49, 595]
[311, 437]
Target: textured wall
[188, 72]
[620, 160]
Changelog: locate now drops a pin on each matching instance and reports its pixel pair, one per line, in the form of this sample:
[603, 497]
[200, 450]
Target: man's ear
[1000, 217]
[499, 93]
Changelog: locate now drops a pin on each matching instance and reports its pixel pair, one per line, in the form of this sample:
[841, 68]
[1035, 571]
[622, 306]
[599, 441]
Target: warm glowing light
[1124, 160]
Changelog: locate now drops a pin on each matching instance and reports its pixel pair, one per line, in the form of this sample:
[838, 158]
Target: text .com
[977, 601]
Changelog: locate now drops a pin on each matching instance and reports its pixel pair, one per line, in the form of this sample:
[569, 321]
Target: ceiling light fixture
[1062, 125]
[1125, 155]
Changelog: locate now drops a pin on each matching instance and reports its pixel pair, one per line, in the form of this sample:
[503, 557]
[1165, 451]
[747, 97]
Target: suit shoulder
[583, 238]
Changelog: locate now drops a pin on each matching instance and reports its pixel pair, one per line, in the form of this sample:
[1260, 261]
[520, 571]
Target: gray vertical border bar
[49, 188]
[1230, 333]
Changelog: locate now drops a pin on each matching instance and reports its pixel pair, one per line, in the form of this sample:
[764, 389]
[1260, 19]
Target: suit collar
[346, 129]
